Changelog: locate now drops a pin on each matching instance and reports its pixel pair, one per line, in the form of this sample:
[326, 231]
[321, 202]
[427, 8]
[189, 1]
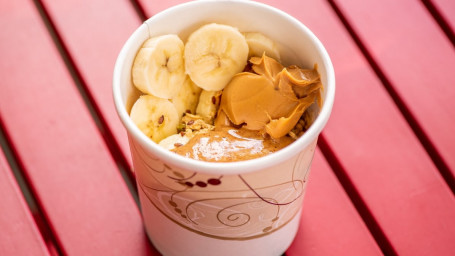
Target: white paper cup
[250, 207]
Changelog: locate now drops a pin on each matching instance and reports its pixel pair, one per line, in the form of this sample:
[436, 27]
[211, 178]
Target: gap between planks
[28, 192]
[355, 197]
[443, 24]
[423, 138]
[139, 9]
[94, 110]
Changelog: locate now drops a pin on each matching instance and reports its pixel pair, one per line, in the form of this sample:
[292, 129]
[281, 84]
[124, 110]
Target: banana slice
[209, 101]
[259, 44]
[155, 117]
[176, 140]
[214, 54]
[158, 68]
[187, 99]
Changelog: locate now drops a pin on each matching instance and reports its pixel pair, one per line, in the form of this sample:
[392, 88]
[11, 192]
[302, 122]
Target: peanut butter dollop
[227, 144]
[270, 99]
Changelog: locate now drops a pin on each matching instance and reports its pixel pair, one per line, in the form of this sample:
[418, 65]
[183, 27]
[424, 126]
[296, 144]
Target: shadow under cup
[250, 207]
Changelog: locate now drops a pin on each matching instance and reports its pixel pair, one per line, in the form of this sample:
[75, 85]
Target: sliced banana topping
[259, 44]
[158, 68]
[187, 99]
[213, 54]
[209, 101]
[157, 118]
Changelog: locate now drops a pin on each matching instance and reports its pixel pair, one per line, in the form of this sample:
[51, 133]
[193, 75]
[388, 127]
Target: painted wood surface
[330, 224]
[446, 9]
[76, 181]
[417, 59]
[381, 182]
[16, 221]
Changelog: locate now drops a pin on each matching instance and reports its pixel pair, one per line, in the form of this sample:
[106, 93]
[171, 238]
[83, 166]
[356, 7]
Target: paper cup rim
[237, 167]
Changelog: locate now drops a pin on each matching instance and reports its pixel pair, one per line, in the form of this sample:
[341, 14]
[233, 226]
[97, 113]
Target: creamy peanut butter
[228, 144]
[271, 99]
[257, 110]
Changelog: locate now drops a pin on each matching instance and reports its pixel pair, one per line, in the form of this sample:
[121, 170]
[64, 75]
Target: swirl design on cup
[236, 219]
[228, 207]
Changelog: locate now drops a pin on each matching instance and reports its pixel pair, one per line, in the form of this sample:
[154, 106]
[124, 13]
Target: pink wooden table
[382, 180]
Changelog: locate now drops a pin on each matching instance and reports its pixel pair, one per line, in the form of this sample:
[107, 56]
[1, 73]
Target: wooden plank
[417, 58]
[330, 224]
[93, 43]
[153, 7]
[376, 147]
[447, 10]
[16, 222]
[75, 180]
[328, 214]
